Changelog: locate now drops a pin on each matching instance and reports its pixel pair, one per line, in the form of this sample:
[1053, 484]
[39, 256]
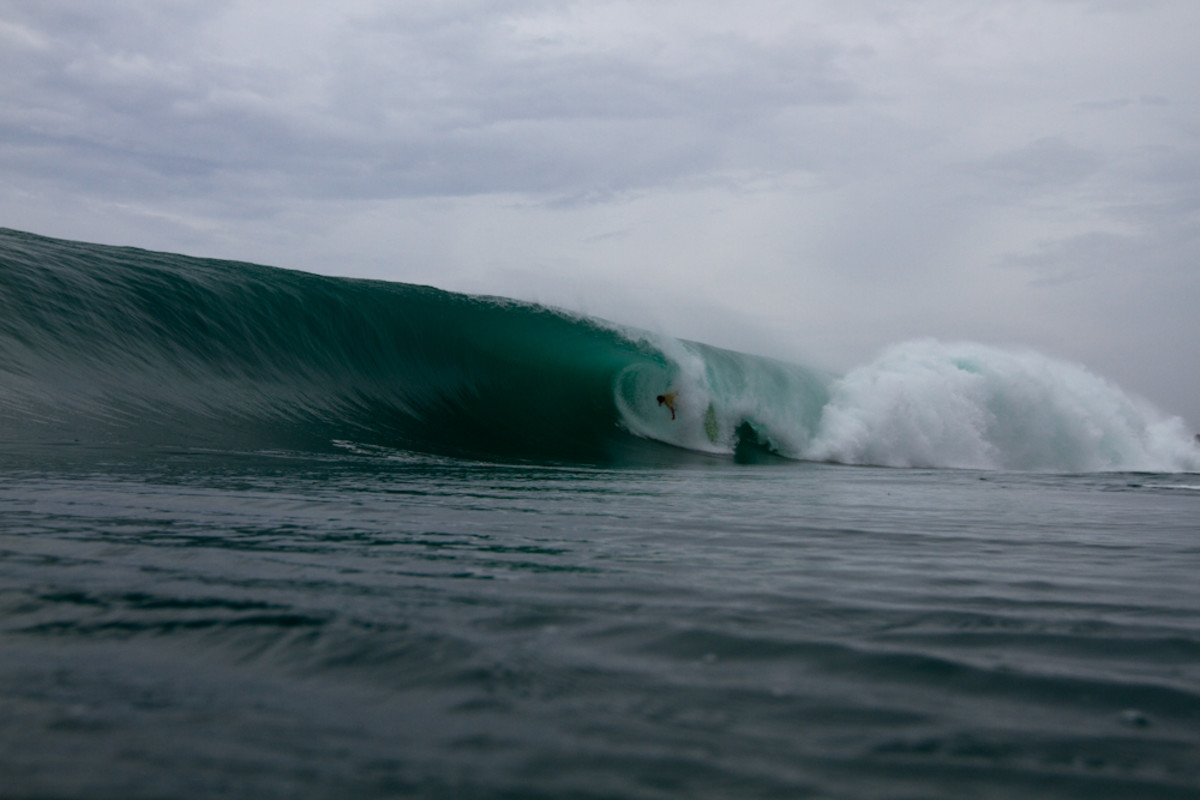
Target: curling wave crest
[128, 349]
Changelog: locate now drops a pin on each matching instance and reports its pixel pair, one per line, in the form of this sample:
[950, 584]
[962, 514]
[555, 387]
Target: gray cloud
[399, 104]
[1047, 162]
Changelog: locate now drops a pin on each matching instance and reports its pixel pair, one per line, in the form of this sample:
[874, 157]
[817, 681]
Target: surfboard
[711, 428]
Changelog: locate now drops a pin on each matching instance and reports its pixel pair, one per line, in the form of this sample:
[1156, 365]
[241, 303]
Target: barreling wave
[128, 348]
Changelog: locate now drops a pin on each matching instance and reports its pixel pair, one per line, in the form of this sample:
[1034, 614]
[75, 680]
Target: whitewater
[266, 533]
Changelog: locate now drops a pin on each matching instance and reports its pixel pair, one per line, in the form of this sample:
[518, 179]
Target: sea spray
[931, 404]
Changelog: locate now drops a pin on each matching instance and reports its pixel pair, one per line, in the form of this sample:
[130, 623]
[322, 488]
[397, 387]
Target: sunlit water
[375, 624]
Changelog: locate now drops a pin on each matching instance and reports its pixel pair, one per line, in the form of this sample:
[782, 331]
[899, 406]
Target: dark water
[358, 625]
[267, 534]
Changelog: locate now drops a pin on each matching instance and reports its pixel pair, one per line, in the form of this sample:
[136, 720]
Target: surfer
[669, 400]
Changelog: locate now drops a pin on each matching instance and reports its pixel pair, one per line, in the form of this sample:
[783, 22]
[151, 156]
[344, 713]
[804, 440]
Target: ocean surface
[271, 534]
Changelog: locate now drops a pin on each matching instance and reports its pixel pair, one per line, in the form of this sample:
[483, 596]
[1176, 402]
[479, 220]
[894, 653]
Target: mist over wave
[126, 348]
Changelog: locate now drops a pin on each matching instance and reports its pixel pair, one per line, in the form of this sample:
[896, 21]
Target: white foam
[928, 403]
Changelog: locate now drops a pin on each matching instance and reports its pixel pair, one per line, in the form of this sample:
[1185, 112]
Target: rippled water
[372, 624]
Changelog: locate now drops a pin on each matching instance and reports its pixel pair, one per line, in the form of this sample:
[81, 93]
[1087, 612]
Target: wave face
[129, 348]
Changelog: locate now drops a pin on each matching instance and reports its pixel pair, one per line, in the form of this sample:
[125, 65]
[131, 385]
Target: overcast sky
[813, 180]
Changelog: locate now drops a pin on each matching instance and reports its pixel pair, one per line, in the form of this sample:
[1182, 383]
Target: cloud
[375, 102]
[1049, 162]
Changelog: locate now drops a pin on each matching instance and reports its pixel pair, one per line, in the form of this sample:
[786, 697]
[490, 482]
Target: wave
[124, 347]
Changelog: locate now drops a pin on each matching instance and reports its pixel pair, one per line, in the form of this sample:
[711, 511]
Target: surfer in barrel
[668, 400]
